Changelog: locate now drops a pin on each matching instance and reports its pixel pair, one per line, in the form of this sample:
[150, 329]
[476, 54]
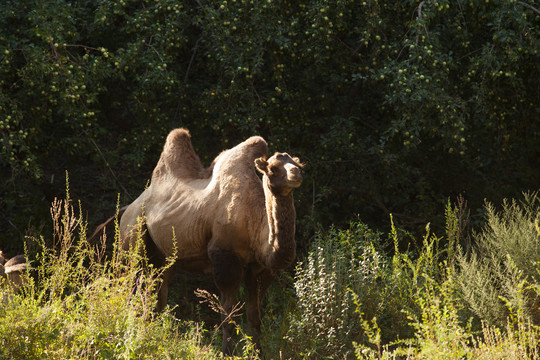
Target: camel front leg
[227, 271]
[258, 279]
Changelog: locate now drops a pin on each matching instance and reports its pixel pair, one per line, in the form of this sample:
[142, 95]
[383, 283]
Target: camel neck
[281, 216]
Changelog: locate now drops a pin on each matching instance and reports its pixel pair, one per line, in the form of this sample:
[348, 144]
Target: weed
[79, 302]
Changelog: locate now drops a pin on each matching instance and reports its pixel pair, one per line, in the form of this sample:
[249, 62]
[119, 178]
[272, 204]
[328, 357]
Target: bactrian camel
[13, 270]
[224, 220]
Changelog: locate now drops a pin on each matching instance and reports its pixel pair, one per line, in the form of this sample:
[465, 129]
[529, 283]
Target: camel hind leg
[227, 271]
[155, 257]
[158, 260]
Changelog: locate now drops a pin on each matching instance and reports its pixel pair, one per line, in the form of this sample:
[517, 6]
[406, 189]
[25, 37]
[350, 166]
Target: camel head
[282, 172]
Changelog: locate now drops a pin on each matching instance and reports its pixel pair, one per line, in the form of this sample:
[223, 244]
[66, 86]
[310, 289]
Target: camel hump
[240, 158]
[179, 158]
[178, 141]
[257, 147]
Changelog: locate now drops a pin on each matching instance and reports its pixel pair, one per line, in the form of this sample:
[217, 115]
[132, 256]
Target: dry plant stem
[215, 305]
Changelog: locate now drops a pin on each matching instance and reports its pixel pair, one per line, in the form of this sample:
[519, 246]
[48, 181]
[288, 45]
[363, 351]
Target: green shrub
[349, 291]
[503, 266]
[78, 302]
[354, 300]
[442, 292]
[440, 333]
[342, 269]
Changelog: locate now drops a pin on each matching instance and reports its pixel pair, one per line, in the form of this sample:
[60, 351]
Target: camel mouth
[294, 183]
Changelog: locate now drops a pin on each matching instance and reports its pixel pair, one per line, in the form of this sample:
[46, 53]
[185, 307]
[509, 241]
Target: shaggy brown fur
[13, 269]
[221, 220]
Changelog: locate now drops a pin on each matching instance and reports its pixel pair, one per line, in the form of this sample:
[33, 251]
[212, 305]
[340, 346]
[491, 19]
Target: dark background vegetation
[396, 107]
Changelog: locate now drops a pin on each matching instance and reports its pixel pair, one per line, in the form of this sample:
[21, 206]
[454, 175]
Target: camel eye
[274, 169]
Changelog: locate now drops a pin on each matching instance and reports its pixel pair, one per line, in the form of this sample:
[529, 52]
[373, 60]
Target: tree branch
[191, 59]
[108, 167]
[421, 18]
[529, 6]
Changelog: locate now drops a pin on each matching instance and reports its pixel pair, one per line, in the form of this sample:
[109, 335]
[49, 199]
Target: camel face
[284, 173]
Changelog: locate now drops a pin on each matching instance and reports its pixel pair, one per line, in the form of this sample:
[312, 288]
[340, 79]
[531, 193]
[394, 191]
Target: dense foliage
[441, 302]
[499, 271]
[348, 298]
[395, 106]
[78, 303]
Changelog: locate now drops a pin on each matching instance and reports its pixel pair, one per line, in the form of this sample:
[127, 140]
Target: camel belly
[196, 264]
[189, 247]
[180, 232]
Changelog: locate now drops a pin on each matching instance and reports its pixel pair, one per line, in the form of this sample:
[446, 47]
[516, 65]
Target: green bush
[355, 300]
[349, 298]
[78, 302]
[502, 269]
[346, 282]
[342, 268]
[445, 290]
[349, 291]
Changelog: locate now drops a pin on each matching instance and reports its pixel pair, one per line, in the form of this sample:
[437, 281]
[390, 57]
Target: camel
[13, 270]
[220, 221]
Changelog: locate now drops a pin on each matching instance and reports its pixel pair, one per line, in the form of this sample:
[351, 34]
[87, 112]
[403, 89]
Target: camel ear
[297, 160]
[261, 164]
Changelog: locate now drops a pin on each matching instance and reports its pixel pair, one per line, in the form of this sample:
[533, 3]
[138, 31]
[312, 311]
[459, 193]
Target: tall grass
[355, 301]
[502, 270]
[342, 269]
[78, 302]
[349, 298]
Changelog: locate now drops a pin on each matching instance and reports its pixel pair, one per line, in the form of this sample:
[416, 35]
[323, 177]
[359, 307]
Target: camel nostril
[296, 175]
